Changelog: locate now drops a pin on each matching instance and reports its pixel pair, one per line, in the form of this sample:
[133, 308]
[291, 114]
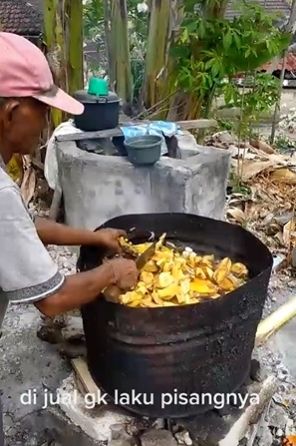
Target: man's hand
[109, 238]
[125, 273]
[82, 288]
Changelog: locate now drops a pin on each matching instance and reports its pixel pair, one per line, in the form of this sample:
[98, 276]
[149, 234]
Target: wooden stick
[83, 375]
[251, 415]
[275, 321]
[185, 125]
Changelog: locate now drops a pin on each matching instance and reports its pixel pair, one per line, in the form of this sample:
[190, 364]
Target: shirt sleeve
[27, 272]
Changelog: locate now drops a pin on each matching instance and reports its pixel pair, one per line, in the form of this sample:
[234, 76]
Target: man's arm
[29, 275]
[82, 288]
[78, 290]
[52, 233]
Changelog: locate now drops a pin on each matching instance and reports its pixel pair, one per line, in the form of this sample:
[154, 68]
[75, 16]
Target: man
[27, 273]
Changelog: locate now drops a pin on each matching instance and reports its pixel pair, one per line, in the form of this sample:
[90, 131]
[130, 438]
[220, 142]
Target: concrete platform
[97, 187]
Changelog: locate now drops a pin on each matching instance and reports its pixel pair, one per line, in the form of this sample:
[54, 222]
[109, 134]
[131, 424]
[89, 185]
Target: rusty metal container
[187, 351]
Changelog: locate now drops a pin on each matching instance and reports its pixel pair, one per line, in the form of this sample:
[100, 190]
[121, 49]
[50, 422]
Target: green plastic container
[98, 87]
[144, 150]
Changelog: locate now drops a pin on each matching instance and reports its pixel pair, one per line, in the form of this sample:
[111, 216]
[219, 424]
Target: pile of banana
[176, 277]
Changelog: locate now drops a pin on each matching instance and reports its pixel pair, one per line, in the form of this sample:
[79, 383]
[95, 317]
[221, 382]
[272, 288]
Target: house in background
[23, 17]
[275, 6]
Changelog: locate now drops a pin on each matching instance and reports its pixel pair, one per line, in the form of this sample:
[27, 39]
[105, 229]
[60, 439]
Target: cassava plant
[257, 99]
[211, 49]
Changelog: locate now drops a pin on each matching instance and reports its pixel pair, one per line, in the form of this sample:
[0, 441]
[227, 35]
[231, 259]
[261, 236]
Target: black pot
[198, 349]
[100, 113]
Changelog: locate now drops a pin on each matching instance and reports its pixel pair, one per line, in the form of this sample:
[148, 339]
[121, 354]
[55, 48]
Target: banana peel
[174, 276]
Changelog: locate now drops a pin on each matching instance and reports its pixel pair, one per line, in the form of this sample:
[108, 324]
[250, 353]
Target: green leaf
[201, 29]
[215, 69]
[209, 64]
[237, 40]
[228, 93]
[185, 36]
[192, 26]
[227, 40]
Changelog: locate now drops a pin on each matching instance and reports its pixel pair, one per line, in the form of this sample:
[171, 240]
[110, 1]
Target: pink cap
[24, 72]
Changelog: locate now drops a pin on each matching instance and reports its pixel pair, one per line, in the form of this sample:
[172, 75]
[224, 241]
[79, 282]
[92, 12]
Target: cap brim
[62, 101]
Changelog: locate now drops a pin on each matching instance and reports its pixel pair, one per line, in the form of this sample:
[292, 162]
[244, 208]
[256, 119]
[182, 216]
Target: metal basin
[143, 150]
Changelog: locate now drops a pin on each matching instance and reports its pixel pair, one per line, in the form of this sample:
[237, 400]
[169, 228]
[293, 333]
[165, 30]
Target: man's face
[21, 124]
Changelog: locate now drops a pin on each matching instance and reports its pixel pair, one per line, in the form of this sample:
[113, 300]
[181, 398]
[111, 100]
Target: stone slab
[94, 421]
[158, 437]
[97, 188]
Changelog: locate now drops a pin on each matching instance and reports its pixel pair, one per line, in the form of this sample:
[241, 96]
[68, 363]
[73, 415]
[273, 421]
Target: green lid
[98, 87]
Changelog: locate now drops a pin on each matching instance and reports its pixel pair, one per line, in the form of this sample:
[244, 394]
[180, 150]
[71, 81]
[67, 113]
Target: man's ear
[9, 110]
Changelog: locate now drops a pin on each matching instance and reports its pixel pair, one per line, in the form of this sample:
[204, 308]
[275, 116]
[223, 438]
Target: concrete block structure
[97, 187]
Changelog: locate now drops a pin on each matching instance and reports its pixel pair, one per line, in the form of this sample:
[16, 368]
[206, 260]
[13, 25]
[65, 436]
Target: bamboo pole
[273, 323]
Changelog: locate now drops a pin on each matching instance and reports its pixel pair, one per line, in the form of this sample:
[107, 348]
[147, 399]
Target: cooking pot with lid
[101, 107]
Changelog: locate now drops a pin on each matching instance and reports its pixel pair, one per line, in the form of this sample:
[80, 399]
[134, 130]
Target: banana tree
[74, 23]
[116, 18]
[160, 32]
[63, 35]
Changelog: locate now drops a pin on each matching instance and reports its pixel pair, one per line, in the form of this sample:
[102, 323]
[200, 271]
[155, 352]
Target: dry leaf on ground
[284, 175]
[237, 215]
[262, 145]
[251, 169]
[289, 232]
[29, 181]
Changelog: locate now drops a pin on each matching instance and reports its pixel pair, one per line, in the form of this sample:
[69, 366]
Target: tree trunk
[64, 41]
[107, 28]
[75, 45]
[55, 48]
[215, 9]
[165, 18]
[119, 57]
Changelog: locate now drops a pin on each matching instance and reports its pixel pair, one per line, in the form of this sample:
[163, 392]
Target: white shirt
[27, 272]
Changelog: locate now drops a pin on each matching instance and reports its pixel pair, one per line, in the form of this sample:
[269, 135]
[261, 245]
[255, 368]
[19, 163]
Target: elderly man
[27, 272]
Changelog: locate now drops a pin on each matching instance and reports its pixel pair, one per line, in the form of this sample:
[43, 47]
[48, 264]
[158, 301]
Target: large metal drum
[186, 352]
